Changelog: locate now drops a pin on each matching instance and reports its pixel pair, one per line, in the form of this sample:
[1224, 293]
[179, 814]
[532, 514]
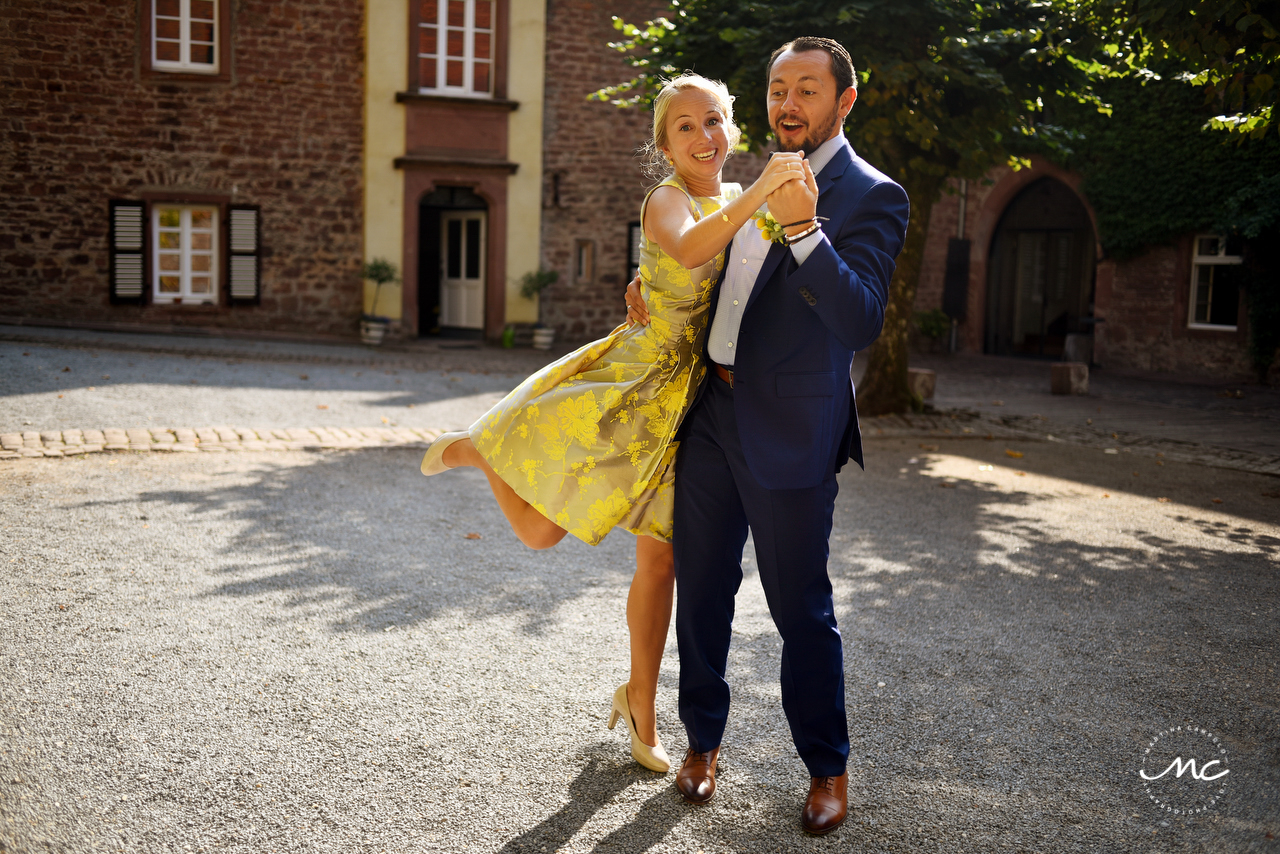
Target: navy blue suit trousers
[763, 456]
[717, 499]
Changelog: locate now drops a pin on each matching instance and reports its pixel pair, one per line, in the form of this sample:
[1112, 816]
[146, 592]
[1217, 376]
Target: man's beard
[811, 142]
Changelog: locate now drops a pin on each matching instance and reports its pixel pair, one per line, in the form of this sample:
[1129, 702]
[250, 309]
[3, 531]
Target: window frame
[497, 53]
[222, 47]
[217, 252]
[1221, 259]
[584, 262]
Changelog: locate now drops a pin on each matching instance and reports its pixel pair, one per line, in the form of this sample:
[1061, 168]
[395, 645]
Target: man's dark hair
[841, 62]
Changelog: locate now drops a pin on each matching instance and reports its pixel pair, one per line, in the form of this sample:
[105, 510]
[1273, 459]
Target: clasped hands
[794, 198]
[793, 201]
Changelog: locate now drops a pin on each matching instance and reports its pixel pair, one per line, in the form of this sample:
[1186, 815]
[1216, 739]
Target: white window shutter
[244, 264]
[128, 241]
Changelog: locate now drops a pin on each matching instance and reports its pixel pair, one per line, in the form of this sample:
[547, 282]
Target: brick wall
[82, 123]
[593, 184]
[593, 181]
[1143, 299]
[944, 221]
[1146, 320]
[944, 217]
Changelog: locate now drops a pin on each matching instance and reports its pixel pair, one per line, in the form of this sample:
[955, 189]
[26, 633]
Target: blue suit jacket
[793, 398]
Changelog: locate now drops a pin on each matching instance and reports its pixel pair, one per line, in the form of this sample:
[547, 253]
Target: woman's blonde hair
[656, 162]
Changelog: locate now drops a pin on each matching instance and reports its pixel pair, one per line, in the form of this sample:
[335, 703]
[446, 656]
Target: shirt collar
[821, 156]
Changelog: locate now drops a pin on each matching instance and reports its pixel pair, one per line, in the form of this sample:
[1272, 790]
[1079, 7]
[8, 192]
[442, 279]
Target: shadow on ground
[1008, 653]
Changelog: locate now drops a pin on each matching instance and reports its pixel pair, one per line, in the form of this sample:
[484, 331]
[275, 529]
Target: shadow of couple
[596, 786]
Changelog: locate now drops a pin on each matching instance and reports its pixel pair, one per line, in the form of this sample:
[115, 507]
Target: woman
[587, 443]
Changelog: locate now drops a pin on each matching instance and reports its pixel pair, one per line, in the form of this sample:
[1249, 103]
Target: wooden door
[462, 269]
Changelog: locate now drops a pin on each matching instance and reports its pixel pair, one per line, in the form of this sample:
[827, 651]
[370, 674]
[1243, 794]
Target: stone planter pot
[373, 331]
[543, 338]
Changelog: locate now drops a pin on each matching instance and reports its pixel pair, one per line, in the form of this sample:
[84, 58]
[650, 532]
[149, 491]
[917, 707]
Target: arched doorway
[452, 250]
[1040, 273]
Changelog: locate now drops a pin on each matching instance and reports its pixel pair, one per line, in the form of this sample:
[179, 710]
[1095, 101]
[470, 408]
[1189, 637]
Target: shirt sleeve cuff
[802, 249]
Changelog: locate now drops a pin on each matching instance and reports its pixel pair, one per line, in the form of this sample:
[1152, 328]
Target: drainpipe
[964, 198]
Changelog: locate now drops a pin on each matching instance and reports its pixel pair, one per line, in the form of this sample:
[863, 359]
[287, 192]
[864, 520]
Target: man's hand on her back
[637, 311]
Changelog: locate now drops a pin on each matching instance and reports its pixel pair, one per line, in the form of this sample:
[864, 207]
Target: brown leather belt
[723, 373]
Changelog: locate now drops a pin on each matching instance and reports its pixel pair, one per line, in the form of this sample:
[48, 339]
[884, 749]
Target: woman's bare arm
[670, 223]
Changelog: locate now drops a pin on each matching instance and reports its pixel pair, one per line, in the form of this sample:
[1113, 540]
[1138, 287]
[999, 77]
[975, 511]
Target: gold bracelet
[724, 216]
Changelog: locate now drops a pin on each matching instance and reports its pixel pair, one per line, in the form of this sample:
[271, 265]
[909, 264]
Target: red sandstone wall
[82, 124]
[944, 220]
[1145, 306]
[593, 184]
[1143, 299]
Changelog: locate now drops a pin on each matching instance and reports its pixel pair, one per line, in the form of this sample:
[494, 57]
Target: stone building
[503, 169]
[185, 164]
[181, 164]
[1016, 260]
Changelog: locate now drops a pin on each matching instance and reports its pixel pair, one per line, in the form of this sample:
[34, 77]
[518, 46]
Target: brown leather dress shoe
[696, 779]
[827, 805]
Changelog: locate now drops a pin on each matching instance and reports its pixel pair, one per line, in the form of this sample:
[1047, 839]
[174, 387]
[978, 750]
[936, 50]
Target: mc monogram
[1189, 765]
[1197, 782]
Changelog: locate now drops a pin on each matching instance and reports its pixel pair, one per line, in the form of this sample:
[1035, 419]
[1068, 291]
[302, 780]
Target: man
[774, 423]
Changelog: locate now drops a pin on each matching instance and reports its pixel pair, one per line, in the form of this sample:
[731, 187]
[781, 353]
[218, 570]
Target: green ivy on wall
[1152, 175]
[1150, 172]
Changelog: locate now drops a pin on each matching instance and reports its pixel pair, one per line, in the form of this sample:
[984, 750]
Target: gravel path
[45, 387]
[1174, 409]
[305, 652]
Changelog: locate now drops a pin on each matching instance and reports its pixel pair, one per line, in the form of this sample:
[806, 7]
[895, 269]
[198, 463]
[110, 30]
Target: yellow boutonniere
[770, 228]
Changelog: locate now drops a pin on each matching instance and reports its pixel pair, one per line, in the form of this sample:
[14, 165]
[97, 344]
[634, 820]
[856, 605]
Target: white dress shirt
[746, 257]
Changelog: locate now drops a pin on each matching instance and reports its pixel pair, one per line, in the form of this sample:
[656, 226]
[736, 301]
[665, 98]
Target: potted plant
[373, 326]
[932, 326]
[532, 284]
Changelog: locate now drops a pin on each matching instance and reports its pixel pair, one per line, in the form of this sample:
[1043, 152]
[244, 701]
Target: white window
[1215, 288]
[455, 47]
[184, 261]
[184, 36]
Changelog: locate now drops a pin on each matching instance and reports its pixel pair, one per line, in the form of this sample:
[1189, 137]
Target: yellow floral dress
[587, 440]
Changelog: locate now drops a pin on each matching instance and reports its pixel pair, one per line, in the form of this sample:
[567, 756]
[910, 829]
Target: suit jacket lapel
[835, 169]
[830, 173]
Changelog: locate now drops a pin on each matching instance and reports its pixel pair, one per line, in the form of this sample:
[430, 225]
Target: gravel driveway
[305, 652]
[45, 387]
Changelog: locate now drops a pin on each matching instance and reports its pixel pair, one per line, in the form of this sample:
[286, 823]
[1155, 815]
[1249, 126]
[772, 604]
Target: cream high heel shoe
[433, 462]
[654, 758]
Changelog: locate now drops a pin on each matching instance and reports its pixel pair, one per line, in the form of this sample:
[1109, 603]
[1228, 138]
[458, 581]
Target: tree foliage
[1228, 48]
[946, 89]
[1152, 174]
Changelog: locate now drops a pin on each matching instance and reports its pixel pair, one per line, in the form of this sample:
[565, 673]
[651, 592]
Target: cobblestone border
[67, 443]
[957, 424]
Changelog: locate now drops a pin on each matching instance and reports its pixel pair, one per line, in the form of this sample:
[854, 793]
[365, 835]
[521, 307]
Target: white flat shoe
[654, 758]
[433, 462]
